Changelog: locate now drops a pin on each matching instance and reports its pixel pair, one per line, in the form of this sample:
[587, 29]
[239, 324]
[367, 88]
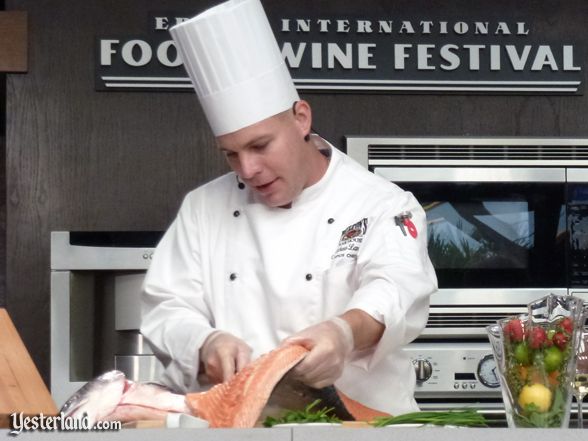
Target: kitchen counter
[315, 433]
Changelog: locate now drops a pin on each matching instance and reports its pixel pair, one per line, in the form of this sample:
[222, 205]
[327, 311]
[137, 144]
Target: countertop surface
[317, 433]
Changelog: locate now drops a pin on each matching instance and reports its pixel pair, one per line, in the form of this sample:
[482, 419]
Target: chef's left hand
[329, 343]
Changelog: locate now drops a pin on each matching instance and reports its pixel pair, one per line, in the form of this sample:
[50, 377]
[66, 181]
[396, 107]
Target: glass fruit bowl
[536, 358]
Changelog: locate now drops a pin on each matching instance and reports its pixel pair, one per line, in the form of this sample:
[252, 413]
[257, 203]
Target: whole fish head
[97, 398]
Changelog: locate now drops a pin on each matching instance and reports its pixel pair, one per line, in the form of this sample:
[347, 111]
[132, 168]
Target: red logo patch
[403, 221]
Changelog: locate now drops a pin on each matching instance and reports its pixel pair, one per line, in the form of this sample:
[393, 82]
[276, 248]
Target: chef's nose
[249, 165]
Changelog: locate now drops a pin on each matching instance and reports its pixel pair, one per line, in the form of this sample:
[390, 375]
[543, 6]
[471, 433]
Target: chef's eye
[259, 147]
[230, 155]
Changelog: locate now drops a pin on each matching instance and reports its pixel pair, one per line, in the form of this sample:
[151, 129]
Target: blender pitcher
[535, 356]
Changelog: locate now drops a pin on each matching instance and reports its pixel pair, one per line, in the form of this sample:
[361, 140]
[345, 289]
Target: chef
[298, 244]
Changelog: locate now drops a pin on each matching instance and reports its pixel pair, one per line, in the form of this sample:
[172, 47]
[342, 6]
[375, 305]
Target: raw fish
[111, 397]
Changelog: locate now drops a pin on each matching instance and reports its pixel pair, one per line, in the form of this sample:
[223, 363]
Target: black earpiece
[239, 183]
[307, 137]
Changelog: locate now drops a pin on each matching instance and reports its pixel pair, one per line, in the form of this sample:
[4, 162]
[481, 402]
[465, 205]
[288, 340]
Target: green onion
[308, 415]
[468, 418]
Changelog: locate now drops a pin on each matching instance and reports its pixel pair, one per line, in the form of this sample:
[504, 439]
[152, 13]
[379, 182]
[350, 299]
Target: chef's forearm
[367, 331]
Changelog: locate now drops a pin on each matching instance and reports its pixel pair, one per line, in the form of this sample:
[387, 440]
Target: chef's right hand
[329, 342]
[223, 355]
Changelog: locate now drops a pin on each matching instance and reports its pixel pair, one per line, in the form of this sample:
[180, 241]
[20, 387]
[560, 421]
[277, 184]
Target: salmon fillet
[240, 401]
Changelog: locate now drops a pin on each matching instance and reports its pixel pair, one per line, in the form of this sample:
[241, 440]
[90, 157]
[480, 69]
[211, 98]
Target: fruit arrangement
[536, 357]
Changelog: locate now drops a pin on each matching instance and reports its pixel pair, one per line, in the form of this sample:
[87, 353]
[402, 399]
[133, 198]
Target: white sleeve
[396, 279]
[175, 316]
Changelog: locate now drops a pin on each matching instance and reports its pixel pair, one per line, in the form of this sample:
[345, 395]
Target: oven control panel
[454, 370]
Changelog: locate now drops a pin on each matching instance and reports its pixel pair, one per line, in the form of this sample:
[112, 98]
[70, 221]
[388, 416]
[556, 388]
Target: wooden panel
[21, 386]
[78, 159]
[13, 41]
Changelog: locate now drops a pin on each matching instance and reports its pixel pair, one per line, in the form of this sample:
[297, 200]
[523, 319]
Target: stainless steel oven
[507, 223]
[96, 282]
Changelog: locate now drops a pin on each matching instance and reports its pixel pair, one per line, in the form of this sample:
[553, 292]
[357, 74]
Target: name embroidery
[350, 240]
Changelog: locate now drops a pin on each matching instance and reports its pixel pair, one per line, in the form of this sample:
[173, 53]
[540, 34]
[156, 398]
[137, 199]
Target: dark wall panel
[2, 185]
[84, 160]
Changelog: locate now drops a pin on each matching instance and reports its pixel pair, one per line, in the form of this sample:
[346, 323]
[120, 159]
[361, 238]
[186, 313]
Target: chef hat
[235, 65]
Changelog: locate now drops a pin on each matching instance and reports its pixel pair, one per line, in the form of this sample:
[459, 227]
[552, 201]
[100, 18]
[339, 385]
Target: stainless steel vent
[384, 151]
[474, 152]
[465, 320]
[475, 319]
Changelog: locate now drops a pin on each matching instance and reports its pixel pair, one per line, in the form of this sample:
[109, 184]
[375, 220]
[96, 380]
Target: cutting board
[21, 386]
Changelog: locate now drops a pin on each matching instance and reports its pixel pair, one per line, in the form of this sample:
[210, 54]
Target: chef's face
[272, 157]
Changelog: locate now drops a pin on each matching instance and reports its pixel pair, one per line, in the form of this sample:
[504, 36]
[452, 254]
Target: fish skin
[292, 394]
[360, 411]
[126, 413]
[154, 396]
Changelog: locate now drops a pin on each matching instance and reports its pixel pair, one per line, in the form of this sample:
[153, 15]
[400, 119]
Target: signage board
[370, 54]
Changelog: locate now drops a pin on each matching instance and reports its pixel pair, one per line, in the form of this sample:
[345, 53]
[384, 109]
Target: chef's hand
[329, 343]
[223, 355]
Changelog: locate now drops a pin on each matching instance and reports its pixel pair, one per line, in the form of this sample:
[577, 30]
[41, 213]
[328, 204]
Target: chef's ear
[302, 116]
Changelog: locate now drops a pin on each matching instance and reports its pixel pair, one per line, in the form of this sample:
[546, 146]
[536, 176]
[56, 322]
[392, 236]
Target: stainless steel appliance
[96, 281]
[507, 222]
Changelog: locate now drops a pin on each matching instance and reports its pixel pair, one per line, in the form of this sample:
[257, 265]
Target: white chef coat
[230, 262]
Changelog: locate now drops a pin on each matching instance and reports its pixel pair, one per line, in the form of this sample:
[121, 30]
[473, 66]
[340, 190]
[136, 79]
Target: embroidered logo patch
[351, 239]
[403, 221]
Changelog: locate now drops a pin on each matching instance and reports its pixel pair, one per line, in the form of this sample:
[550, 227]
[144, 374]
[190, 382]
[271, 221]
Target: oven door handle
[577, 175]
[471, 174]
